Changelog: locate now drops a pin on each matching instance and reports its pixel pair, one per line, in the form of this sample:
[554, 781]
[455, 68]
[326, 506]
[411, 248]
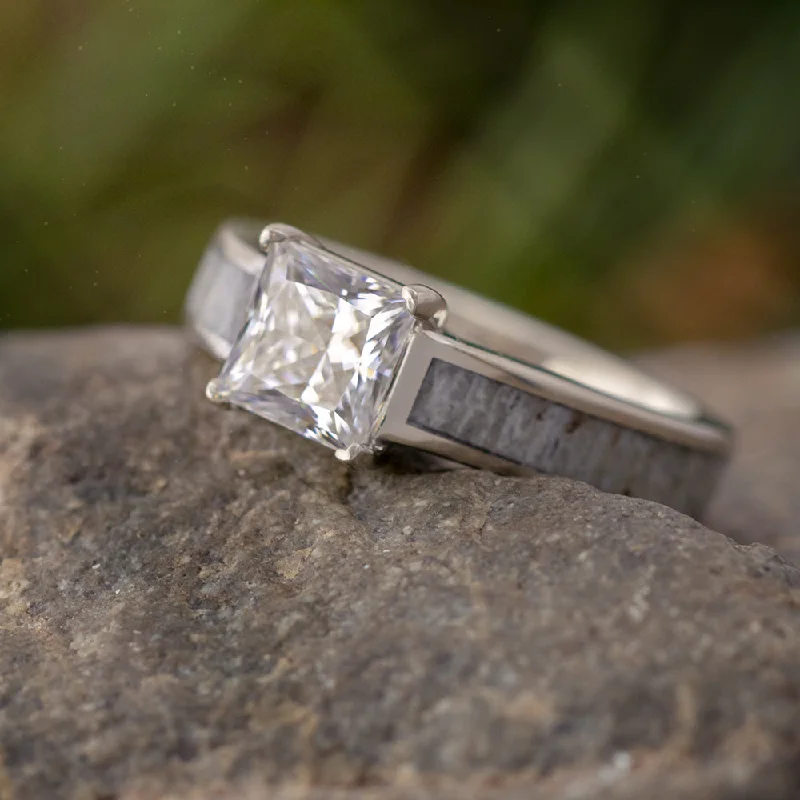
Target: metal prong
[426, 304]
[278, 232]
[213, 393]
[349, 453]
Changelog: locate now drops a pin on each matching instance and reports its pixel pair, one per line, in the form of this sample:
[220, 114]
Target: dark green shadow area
[629, 170]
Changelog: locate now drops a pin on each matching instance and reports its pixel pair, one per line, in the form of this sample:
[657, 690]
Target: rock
[757, 387]
[196, 603]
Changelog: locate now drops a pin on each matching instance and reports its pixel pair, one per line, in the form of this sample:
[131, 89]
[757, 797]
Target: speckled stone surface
[757, 386]
[197, 604]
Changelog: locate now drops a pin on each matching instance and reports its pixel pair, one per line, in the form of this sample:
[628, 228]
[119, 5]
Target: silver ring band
[494, 388]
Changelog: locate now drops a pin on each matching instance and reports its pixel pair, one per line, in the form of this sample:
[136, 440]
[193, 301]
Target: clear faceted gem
[320, 347]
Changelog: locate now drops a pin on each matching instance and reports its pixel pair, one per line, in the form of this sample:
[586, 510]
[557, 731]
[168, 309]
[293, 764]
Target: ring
[356, 351]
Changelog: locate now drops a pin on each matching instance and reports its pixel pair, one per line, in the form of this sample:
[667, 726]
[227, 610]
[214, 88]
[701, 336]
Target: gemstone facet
[320, 347]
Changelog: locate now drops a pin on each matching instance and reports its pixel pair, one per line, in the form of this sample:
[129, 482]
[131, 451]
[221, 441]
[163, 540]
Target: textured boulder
[195, 602]
[758, 387]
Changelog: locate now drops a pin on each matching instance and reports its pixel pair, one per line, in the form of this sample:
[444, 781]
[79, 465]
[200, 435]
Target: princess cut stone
[320, 347]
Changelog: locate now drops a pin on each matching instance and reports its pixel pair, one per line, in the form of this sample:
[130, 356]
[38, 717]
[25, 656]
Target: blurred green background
[629, 170]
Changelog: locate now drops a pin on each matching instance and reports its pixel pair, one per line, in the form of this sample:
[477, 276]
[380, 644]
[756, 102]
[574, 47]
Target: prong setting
[426, 304]
[349, 454]
[213, 392]
[279, 232]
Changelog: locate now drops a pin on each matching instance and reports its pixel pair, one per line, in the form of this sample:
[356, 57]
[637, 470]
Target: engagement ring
[356, 351]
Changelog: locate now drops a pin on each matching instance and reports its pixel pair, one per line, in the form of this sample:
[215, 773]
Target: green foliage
[625, 169]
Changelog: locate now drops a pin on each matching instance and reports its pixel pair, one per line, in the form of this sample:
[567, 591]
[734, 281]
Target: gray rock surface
[756, 386]
[196, 604]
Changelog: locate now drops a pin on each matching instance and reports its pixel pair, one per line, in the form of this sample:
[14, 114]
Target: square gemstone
[320, 347]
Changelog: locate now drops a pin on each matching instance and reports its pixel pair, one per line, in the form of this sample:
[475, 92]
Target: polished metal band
[501, 390]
